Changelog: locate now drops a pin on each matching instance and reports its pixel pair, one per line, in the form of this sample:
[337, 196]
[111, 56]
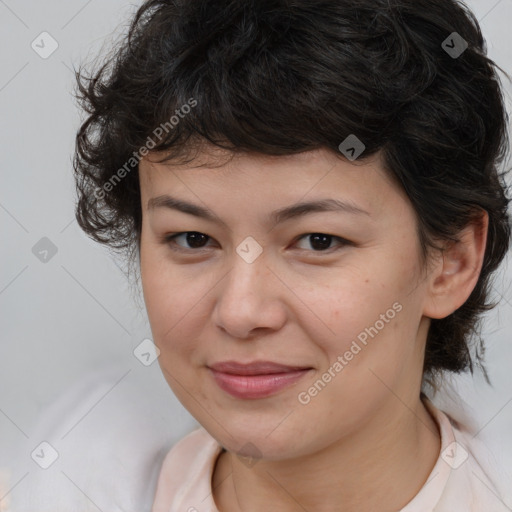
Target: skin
[366, 440]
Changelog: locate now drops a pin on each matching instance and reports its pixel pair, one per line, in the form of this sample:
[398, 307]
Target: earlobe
[458, 269]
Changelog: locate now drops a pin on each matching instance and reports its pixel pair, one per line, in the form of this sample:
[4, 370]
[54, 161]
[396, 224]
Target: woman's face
[250, 285]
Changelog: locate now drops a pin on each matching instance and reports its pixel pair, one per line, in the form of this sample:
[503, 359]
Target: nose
[249, 299]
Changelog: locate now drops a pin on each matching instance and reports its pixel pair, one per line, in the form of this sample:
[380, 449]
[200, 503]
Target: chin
[258, 441]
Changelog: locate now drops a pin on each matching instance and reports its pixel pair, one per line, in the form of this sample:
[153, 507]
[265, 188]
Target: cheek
[174, 304]
[174, 301]
[342, 312]
[368, 322]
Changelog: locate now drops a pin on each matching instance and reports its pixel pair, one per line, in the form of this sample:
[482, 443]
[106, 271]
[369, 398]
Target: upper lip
[254, 368]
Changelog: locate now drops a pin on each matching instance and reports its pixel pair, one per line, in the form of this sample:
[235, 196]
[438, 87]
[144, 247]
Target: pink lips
[255, 380]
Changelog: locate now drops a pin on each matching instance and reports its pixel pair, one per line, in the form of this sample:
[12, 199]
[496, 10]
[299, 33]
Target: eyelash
[169, 240]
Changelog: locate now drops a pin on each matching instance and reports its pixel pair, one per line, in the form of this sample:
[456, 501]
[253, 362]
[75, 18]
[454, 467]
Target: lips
[258, 379]
[255, 368]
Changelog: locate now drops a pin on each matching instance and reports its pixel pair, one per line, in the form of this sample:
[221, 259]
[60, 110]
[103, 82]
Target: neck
[382, 467]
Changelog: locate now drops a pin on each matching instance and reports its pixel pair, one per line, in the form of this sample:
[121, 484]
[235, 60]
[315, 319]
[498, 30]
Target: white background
[74, 317]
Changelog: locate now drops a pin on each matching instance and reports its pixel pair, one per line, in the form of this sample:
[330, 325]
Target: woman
[310, 192]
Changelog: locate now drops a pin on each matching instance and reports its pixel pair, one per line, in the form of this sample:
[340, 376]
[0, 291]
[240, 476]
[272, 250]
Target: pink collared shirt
[458, 482]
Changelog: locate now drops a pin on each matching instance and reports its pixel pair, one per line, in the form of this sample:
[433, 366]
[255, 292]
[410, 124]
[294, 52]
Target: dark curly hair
[279, 77]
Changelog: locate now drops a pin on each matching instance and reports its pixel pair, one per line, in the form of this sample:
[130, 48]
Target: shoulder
[107, 436]
[185, 477]
[474, 473]
[195, 447]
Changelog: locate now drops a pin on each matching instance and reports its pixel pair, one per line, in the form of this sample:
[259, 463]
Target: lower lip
[256, 386]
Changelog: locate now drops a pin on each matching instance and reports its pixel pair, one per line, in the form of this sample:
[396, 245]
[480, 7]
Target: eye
[321, 241]
[195, 239]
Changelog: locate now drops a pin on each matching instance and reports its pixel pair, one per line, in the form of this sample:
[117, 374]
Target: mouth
[258, 379]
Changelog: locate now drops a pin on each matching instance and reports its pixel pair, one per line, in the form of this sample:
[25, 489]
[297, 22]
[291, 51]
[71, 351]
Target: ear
[457, 270]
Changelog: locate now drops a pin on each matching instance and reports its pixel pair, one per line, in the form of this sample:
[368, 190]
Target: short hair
[408, 78]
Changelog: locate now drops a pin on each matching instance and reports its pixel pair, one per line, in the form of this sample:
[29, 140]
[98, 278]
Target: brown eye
[194, 239]
[320, 242]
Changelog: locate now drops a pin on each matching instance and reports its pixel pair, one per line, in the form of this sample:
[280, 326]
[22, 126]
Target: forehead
[217, 173]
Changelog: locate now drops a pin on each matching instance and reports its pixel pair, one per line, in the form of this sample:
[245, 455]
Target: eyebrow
[276, 217]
